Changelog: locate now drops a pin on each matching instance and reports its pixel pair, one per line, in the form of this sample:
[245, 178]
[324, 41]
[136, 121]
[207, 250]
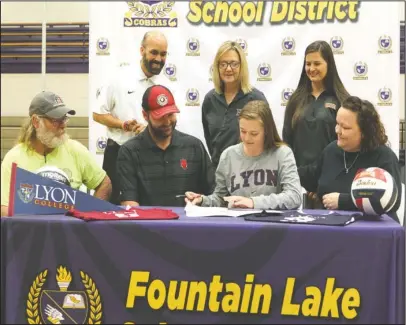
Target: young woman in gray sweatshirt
[260, 172]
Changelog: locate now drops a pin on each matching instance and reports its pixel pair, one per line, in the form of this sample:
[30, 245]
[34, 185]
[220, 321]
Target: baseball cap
[49, 104]
[159, 101]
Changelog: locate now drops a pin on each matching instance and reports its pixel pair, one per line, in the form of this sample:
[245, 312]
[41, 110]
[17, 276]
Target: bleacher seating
[67, 48]
[78, 129]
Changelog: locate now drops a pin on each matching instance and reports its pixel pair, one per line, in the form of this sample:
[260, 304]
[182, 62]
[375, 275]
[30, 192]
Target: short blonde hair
[244, 74]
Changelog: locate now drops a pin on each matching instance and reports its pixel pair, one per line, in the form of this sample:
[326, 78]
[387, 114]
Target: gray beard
[49, 139]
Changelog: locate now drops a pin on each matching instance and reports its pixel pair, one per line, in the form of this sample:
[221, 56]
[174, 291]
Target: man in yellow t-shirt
[43, 142]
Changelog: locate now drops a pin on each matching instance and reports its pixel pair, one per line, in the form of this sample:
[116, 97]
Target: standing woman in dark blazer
[310, 115]
[222, 105]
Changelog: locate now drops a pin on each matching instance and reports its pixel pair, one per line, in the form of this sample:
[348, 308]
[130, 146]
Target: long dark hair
[259, 110]
[369, 122]
[332, 82]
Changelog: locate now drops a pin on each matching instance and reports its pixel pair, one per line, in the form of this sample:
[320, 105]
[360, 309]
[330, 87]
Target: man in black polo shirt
[161, 162]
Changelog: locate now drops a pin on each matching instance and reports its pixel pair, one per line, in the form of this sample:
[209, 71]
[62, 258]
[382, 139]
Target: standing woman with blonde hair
[221, 105]
[310, 115]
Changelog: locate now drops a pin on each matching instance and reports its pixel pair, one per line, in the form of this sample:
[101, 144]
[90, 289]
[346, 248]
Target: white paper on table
[195, 211]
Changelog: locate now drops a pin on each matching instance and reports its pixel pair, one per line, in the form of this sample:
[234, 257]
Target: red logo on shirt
[183, 163]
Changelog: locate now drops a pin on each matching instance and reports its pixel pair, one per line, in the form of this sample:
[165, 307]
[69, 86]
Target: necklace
[345, 163]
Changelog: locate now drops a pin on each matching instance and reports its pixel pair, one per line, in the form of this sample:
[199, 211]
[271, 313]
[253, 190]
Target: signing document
[197, 211]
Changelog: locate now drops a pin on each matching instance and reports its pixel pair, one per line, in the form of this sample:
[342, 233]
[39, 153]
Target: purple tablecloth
[107, 258]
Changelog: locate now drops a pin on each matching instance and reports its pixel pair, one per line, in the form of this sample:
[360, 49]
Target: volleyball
[374, 191]
[54, 173]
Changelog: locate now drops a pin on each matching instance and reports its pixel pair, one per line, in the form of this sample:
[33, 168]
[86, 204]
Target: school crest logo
[385, 44]
[337, 45]
[62, 306]
[385, 97]
[286, 94]
[102, 46]
[101, 144]
[264, 72]
[360, 71]
[211, 73]
[244, 45]
[193, 47]
[192, 97]
[170, 71]
[288, 46]
[26, 193]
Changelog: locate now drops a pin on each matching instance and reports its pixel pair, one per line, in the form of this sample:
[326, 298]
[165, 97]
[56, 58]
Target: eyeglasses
[232, 64]
[56, 122]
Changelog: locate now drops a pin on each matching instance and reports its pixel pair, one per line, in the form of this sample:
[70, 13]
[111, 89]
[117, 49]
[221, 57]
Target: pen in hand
[191, 198]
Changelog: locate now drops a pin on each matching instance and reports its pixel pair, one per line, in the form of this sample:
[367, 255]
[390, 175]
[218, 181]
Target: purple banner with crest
[213, 270]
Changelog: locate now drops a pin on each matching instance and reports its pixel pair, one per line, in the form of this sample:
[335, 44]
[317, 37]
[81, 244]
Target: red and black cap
[159, 101]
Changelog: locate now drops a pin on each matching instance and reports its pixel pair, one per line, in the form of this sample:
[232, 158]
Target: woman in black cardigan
[361, 143]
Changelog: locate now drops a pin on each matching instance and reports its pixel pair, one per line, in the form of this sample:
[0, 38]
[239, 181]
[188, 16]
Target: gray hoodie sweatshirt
[270, 179]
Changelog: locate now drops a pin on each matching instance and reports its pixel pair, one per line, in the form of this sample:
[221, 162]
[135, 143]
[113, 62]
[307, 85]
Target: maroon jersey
[130, 214]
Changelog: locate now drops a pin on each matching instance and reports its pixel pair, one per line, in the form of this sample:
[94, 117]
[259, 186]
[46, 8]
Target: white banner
[363, 35]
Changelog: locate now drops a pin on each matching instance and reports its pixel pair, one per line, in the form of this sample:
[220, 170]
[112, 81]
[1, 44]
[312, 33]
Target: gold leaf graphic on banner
[167, 6]
[136, 8]
[153, 9]
[94, 299]
[156, 11]
[146, 11]
[33, 298]
[160, 10]
[163, 8]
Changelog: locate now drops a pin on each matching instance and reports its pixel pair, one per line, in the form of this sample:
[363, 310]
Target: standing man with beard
[161, 163]
[119, 106]
[43, 142]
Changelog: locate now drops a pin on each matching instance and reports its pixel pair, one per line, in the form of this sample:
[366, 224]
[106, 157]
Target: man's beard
[159, 133]
[48, 138]
[150, 68]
